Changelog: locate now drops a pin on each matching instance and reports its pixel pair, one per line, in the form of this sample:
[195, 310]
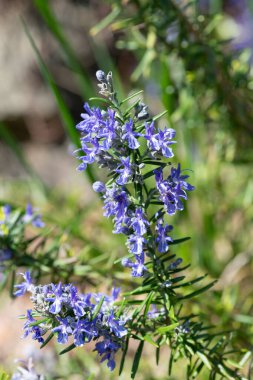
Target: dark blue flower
[92, 120]
[175, 264]
[98, 132]
[107, 349]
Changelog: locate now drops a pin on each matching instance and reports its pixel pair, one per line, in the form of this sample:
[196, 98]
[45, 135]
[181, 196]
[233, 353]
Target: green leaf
[36, 323]
[204, 359]
[149, 339]
[245, 358]
[96, 98]
[137, 358]
[140, 290]
[131, 107]
[165, 329]
[131, 97]
[160, 115]
[143, 303]
[98, 307]
[148, 304]
[199, 291]
[47, 340]
[106, 21]
[179, 241]
[122, 362]
[157, 355]
[69, 348]
[224, 372]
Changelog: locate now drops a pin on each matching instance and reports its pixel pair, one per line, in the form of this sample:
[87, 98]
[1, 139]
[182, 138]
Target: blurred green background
[193, 58]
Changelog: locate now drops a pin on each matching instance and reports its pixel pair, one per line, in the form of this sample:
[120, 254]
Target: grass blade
[66, 116]
[49, 17]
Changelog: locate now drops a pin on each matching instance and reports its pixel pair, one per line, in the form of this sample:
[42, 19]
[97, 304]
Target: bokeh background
[192, 58]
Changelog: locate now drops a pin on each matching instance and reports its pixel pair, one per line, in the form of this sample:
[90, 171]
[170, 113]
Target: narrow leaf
[47, 340]
[204, 359]
[131, 96]
[97, 309]
[69, 348]
[197, 292]
[137, 358]
[123, 356]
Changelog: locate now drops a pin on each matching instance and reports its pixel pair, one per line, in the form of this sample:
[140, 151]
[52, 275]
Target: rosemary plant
[144, 191]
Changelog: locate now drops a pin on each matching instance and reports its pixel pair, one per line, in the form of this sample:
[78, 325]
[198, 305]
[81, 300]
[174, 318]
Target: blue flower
[107, 349]
[98, 130]
[77, 303]
[125, 174]
[63, 330]
[25, 286]
[35, 330]
[160, 142]
[136, 243]
[130, 136]
[30, 217]
[116, 326]
[139, 222]
[92, 120]
[163, 239]
[138, 267]
[175, 264]
[116, 203]
[56, 298]
[164, 141]
[172, 189]
[84, 331]
[73, 315]
[179, 179]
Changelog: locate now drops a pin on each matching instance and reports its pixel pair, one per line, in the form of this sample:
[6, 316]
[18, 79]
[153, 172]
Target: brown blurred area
[28, 108]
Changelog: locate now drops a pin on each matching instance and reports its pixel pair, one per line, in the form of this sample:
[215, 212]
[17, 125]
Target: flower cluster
[67, 313]
[128, 145]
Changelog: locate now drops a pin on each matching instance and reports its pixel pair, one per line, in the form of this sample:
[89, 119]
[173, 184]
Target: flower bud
[99, 187]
